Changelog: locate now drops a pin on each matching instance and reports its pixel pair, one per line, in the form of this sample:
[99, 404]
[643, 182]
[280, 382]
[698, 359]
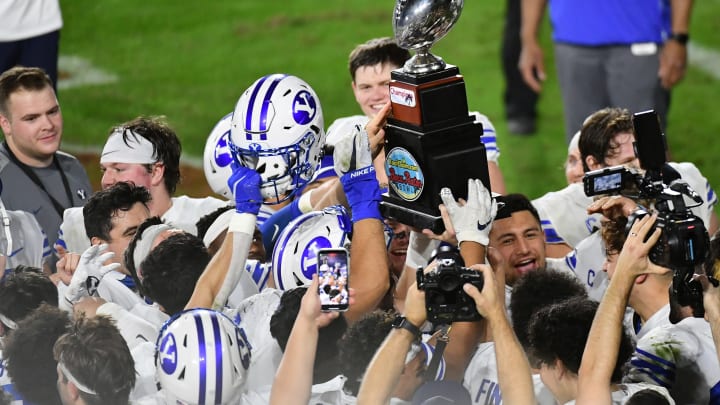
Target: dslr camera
[445, 300]
[684, 243]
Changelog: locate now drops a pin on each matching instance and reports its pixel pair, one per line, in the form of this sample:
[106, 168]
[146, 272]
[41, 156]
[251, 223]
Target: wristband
[681, 38]
[304, 203]
[242, 222]
[363, 193]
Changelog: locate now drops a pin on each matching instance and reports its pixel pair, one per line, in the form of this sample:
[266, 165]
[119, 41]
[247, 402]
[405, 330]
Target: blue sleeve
[715, 394]
[272, 227]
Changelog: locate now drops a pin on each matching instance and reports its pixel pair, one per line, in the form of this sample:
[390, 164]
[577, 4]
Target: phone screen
[333, 279]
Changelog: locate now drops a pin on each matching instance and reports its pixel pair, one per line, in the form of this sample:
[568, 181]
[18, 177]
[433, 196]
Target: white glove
[472, 221]
[352, 152]
[89, 273]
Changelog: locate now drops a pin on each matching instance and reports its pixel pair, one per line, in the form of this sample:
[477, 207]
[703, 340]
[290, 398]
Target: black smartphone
[334, 279]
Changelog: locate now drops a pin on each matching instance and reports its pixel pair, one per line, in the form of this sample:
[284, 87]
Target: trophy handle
[424, 62]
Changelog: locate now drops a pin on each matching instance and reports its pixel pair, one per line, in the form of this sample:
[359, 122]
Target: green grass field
[190, 61]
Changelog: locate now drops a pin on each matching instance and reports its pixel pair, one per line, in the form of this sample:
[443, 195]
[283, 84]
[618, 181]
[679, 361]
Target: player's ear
[157, 174]
[592, 163]
[5, 124]
[96, 241]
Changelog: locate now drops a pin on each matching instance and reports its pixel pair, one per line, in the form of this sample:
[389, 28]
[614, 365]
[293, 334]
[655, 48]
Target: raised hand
[245, 186]
[471, 220]
[89, 273]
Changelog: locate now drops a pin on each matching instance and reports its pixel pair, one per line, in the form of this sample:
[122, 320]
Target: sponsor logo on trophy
[432, 142]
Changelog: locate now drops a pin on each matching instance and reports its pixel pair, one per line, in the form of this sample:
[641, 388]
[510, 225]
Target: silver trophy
[418, 24]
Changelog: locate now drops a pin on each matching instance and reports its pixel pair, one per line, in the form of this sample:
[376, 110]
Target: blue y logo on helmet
[222, 154]
[168, 354]
[304, 107]
[309, 260]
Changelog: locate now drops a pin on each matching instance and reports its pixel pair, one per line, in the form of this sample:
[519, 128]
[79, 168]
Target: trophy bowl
[418, 24]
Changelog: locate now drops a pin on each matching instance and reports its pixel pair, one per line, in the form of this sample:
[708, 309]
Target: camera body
[684, 243]
[445, 299]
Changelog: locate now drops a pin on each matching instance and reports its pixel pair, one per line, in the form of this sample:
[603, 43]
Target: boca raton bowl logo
[404, 174]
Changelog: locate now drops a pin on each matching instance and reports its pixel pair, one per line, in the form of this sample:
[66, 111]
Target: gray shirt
[20, 193]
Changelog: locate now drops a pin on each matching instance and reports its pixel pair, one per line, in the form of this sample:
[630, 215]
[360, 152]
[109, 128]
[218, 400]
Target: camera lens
[449, 282]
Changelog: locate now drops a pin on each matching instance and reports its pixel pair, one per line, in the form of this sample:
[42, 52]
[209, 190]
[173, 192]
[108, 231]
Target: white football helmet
[277, 129]
[202, 357]
[295, 254]
[217, 157]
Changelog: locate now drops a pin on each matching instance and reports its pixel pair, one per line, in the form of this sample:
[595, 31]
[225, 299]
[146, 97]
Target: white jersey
[255, 313]
[20, 19]
[481, 379]
[691, 174]
[186, 211]
[626, 391]
[586, 261]
[29, 242]
[658, 319]
[115, 287]
[182, 214]
[489, 137]
[679, 357]
[563, 215]
[6, 383]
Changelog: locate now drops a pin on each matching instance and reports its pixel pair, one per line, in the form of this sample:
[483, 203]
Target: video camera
[445, 300]
[684, 243]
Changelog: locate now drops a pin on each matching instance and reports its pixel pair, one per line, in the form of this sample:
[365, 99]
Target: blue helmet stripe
[248, 113]
[218, 359]
[202, 359]
[265, 104]
[262, 123]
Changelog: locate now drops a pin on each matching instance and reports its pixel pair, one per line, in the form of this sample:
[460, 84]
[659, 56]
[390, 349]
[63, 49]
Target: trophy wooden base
[428, 101]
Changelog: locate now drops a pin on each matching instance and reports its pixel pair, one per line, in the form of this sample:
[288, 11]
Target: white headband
[574, 142]
[8, 322]
[144, 244]
[134, 149]
[218, 226]
[72, 379]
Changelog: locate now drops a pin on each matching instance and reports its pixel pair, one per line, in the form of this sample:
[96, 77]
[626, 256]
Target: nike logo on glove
[482, 227]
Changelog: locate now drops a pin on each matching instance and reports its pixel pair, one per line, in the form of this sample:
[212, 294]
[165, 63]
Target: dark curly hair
[613, 233]
[560, 331]
[359, 344]
[536, 290]
[206, 221]
[102, 206]
[28, 351]
[22, 291]
[172, 269]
